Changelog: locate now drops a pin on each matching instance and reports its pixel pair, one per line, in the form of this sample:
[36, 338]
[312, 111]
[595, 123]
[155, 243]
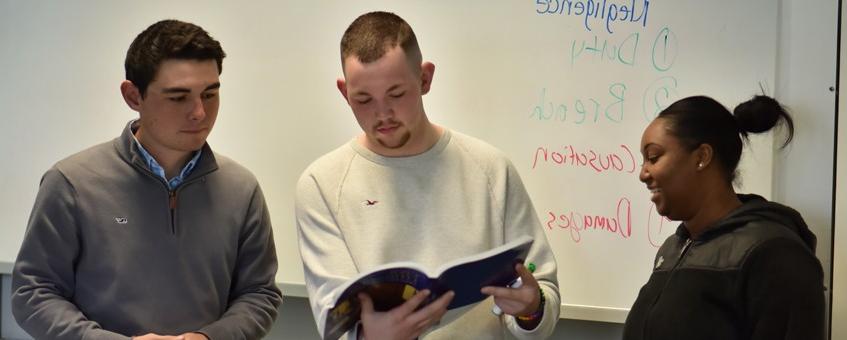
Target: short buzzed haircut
[168, 39]
[372, 34]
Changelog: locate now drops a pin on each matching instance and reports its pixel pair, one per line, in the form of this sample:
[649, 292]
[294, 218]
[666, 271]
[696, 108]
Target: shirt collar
[159, 171]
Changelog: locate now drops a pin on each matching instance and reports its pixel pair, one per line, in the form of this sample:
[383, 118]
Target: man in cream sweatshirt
[409, 190]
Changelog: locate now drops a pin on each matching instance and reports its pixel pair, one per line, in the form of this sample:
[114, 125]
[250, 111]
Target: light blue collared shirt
[158, 170]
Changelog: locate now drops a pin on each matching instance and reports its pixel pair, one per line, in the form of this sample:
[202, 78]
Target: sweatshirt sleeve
[254, 297]
[521, 219]
[784, 292]
[43, 279]
[327, 263]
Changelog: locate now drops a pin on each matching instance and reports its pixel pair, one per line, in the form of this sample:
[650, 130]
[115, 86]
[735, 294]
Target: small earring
[700, 165]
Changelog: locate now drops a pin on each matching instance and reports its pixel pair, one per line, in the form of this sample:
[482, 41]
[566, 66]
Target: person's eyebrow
[176, 90]
[214, 86]
[648, 145]
[168, 90]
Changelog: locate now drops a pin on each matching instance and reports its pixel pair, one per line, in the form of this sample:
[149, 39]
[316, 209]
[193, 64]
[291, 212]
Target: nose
[384, 110]
[644, 175]
[198, 111]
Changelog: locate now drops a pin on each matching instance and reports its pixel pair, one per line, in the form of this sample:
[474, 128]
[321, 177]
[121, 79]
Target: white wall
[806, 69]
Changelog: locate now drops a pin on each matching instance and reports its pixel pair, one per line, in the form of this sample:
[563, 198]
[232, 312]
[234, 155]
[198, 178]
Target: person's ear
[131, 94]
[705, 153]
[341, 84]
[427, 71]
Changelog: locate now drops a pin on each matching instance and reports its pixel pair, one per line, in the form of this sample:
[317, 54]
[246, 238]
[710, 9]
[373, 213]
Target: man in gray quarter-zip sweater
[151, 235]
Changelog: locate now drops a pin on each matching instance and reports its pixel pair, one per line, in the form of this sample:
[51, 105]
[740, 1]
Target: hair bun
[758, 114]
[761, 114]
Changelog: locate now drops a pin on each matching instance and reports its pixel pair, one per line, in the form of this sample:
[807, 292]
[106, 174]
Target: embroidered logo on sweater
[121, 220]
[368, 203]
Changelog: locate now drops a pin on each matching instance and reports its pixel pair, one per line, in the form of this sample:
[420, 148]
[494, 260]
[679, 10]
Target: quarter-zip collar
[129, 152]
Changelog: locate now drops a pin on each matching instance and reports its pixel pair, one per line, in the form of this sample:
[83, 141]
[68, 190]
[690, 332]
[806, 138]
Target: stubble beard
[400, 143]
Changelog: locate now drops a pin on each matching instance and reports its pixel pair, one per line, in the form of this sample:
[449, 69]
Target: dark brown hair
[168, 39]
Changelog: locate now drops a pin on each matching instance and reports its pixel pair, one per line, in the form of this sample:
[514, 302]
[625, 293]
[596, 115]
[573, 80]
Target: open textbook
[392, 284]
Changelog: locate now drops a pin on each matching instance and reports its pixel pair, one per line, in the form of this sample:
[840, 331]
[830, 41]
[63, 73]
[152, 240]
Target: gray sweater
[357, 210]
[111, 253]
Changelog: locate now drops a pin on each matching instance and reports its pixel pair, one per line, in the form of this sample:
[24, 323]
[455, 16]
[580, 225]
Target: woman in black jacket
[739, 266]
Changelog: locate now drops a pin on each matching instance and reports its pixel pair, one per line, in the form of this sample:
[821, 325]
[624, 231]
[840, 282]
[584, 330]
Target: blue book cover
[392, 284]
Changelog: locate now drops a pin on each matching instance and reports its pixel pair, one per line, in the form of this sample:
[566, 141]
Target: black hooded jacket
[752, 275]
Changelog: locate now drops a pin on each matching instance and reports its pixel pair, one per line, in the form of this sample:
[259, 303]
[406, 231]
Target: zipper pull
[685, 247]
[172, 196]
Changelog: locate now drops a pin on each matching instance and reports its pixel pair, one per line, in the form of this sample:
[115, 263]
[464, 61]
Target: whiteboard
[562, 89]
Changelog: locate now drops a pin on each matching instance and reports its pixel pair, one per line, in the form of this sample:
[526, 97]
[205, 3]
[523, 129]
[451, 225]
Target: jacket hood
[756, 208]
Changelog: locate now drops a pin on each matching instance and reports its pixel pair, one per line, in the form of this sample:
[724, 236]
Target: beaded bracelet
[539, 312]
